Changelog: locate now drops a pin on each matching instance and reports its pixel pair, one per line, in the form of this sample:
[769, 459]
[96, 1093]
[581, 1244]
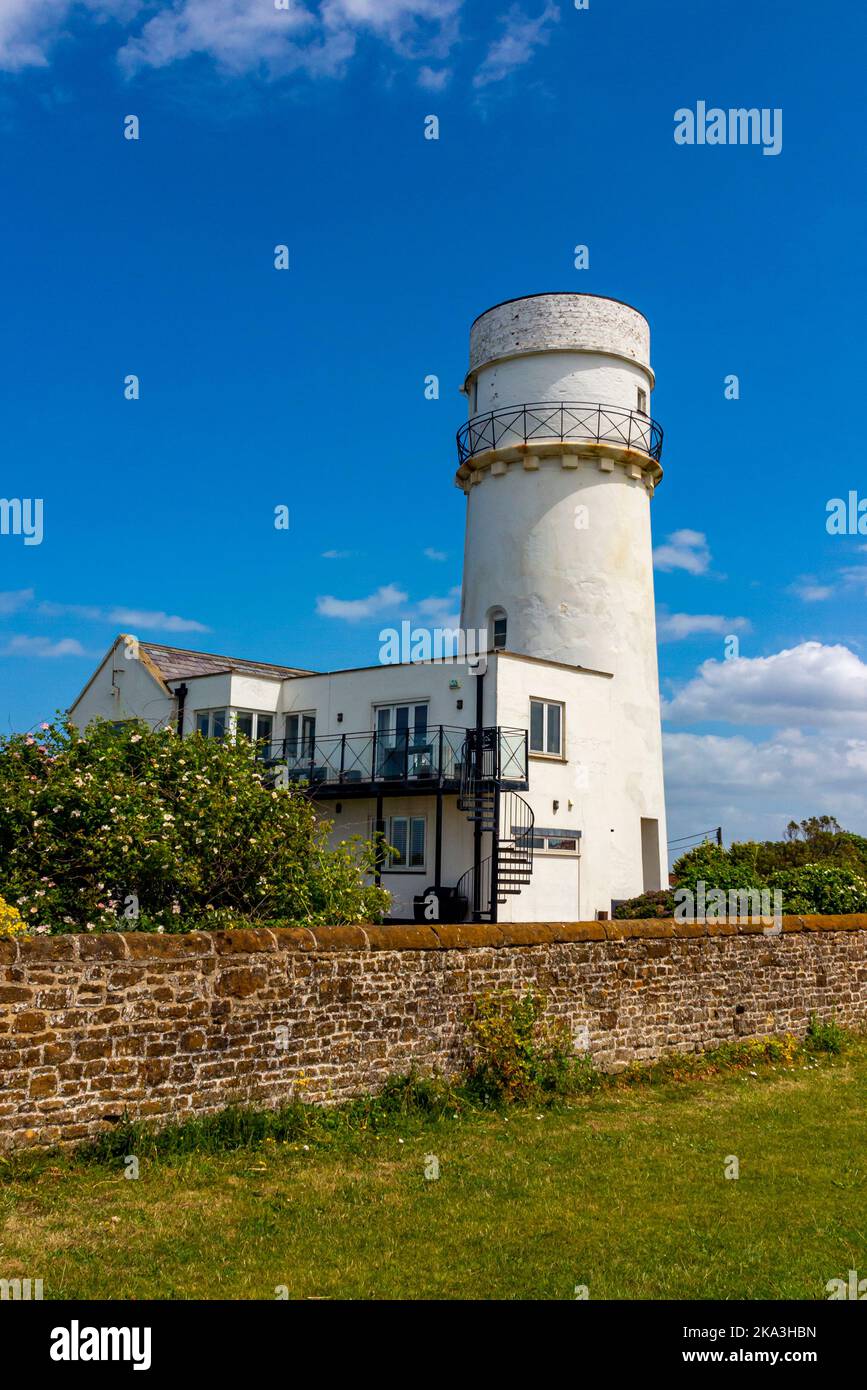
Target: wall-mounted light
[340, 718]
[460, 704]
[556, 805]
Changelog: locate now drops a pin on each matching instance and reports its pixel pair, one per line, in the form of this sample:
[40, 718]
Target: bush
[825, 1037]
[658, 904]
[516, 1054]
[817, 869]
[135, 829]
[820, 888]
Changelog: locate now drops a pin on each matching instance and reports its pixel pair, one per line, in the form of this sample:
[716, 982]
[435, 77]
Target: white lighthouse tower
[559, 461]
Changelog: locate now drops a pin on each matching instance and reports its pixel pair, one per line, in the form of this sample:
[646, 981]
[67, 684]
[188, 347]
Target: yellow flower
[11, 921]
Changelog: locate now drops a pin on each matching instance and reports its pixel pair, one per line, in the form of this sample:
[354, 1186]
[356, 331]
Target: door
[401, 739]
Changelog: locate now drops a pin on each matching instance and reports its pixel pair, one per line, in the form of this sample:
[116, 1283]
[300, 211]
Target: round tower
[559, 460]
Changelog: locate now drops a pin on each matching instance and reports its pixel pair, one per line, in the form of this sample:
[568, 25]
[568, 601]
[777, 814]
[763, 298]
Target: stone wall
[166, 1027]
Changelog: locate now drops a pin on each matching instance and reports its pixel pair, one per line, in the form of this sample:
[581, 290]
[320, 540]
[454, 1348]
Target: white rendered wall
[567, 551]
[122, 688]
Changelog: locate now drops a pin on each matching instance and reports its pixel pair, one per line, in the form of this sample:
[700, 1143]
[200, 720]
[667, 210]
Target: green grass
[622, 1190]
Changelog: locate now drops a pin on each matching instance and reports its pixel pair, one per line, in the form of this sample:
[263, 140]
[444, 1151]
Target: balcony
[372, 762]
[560, 422]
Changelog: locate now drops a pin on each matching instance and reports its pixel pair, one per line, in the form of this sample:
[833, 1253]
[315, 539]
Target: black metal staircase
[501, 813]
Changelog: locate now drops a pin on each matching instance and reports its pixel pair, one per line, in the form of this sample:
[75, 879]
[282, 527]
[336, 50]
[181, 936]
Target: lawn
[623, 1191]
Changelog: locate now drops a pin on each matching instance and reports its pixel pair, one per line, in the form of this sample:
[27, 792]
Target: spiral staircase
[503, 815]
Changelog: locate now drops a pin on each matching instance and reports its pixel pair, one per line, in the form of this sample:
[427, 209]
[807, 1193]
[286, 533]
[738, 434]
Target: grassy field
[623, 1191]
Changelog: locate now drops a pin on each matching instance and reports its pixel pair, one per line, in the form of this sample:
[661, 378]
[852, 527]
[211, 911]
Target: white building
[530, 781]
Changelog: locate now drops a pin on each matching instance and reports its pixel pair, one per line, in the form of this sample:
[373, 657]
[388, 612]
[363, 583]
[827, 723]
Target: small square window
[546, 727]
[642, 401]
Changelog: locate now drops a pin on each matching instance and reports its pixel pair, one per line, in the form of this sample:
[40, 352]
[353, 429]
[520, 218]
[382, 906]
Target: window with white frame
[546, 727]
[552, 840]
[642, 401]
[254, 725]
[407, 837]
[300, 735]
[211, 723]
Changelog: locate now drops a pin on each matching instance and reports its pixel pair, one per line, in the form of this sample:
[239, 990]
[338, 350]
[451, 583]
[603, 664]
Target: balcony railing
[560, 421]
[406, 757]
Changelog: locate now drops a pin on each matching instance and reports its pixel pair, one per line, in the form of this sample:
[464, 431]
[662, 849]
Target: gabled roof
[179, 663]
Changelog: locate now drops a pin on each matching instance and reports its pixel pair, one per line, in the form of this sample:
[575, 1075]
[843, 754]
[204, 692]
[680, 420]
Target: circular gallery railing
[562, 421]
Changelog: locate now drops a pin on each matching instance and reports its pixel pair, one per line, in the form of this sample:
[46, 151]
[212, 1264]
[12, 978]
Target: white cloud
[119, 616]
[753, 789]
[317, 36]
[673, 627]
[438, 611]
[683, 550]
[240, 36]
[435, 554]
[15, 599]
[29, 28]
[336, 554]
[808, 589]
[516, 45]
[354, 610]
[434, 79]
[42, 647]
[809, 685]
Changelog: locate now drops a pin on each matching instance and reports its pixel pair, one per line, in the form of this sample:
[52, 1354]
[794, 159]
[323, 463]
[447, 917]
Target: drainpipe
[181, 695]
[477, 828]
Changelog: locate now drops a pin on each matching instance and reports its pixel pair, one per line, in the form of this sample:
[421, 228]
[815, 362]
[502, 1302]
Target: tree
[135, 829]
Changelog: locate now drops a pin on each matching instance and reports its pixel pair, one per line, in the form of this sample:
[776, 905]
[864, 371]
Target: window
[406, 836]
[254, 726]
[396, 721]
[642, 401]
[300, 735]
[475, 394]
[211, 723]
[498, 625]
[546, 728]
[551, 840]
[401, 739]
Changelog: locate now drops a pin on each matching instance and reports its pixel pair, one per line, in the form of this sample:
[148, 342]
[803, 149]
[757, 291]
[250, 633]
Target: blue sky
[305, 127]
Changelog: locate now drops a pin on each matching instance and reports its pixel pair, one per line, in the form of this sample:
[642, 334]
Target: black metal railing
[436, 754]
[496, 755]
[561, 421]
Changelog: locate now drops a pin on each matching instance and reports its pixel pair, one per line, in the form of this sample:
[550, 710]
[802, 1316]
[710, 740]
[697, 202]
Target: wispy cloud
[42, 647]
[13, 600]
[239, 36]
[435, 554]
[810, 590]
[354, 610]
[683, 550]
[336, 554]
[437, 611]
[674, 627]
[153, 619]
[516, 45]
[434, 79]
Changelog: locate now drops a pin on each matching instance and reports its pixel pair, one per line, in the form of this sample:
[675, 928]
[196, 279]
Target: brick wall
[171, 1026]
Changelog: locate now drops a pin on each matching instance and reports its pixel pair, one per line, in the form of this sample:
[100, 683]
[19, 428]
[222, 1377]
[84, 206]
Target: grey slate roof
[178, 663]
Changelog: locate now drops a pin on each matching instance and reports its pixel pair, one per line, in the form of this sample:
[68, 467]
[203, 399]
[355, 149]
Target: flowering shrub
[11, 921]
[135, 829]
[820, 888]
